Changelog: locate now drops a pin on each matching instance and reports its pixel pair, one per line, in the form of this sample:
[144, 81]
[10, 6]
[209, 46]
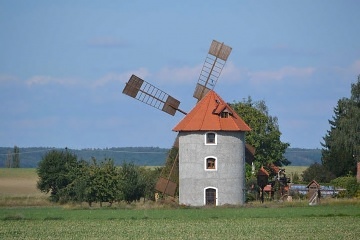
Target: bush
[252, 189]
[297, 195]
[350, 184]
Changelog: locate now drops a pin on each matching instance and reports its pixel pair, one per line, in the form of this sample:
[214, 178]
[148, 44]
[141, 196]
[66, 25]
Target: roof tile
[205, 116]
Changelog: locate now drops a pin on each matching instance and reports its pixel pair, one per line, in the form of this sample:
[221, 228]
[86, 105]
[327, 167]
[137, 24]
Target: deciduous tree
[132, 184]
[265, 134]
[318, 173]
[56, 172]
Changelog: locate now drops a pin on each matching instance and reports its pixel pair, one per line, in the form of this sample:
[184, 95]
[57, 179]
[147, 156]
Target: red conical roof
[206, 116]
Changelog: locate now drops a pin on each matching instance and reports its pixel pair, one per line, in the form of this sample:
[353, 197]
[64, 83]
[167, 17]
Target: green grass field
[336, 221]
[28, 219]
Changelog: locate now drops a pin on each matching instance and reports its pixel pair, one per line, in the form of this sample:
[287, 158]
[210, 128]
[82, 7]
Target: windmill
[149, 94]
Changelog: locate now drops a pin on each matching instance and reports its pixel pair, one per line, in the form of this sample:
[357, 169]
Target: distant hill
[303, 157]
[143, 156]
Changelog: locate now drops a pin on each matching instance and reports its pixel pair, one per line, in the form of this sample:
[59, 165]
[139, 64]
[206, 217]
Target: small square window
[210, 138]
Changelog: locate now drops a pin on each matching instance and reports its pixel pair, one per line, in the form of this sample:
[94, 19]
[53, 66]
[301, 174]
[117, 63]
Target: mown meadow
[35, 218]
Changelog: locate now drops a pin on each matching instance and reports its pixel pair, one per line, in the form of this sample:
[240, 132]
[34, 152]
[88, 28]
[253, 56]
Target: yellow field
[18, 182]
[289, 170]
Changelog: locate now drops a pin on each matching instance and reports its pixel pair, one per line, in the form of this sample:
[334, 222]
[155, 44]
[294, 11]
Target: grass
[26, 214]
[339, 221]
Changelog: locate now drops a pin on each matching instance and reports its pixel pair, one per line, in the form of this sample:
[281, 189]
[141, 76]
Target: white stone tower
[211, 154]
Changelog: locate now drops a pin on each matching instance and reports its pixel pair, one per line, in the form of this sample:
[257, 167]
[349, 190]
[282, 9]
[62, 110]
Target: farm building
[211, 154]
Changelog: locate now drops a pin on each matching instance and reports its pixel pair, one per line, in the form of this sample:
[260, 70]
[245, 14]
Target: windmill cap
[212, 113]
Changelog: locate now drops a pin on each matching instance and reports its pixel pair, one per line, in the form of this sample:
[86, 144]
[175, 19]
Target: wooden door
[210, 196]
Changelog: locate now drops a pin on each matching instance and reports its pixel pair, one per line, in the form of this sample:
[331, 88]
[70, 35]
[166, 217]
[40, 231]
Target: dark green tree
[79, 189]
[16, 157]
[132, 184]
[106, 181]
[318, 173]
[56, 171]
[149, 177]
[265, 134]
[341, 146]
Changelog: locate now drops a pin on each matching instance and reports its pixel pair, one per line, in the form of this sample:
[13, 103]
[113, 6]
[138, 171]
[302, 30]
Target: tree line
[142, 156]
[68, 179]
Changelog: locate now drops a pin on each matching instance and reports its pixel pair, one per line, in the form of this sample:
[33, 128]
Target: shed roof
[313, 182]
[206, 116]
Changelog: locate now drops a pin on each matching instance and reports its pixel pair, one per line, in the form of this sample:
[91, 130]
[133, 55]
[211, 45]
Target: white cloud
[110, 77]
[190, 75]
[72, 81]
[352, 69]
[179, 75]
[44, 80]
[119, 77]
[355, 67]
[232, 73]
[280, 74]
[8, 78]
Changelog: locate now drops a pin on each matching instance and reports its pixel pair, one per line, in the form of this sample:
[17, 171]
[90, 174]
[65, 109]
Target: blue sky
[63, 65]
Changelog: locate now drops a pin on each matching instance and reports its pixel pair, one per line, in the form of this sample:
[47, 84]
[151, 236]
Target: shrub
[349, 183]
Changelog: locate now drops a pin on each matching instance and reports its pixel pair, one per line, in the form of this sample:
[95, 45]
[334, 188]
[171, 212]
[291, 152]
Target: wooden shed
[313, 192]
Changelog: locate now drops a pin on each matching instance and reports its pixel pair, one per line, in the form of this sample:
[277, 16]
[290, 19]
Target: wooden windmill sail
[151, 95]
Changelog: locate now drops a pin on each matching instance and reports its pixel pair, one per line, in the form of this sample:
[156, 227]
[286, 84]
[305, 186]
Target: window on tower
[210, 138]
[210, 163]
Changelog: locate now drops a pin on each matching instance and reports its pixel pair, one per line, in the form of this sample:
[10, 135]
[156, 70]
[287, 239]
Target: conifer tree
[341, 146]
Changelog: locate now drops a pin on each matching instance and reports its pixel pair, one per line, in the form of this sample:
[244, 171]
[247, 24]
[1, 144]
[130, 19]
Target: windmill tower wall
[228, 177]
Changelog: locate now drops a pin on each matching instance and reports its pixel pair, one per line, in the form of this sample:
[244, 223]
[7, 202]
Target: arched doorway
[210, 196]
